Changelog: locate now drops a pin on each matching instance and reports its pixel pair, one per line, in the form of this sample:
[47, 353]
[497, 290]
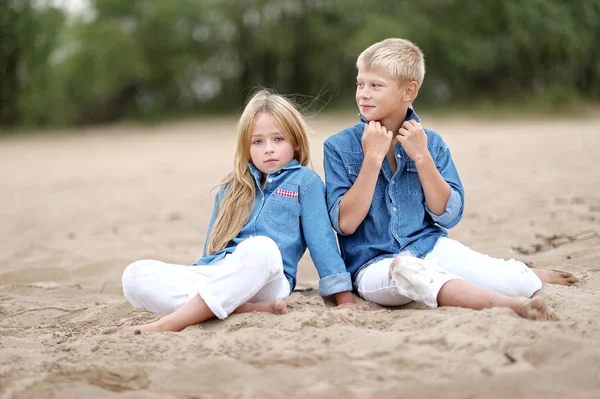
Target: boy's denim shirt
[399, 218]
[291, 210]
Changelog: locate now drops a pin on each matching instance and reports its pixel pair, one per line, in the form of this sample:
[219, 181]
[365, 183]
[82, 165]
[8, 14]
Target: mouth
[366, 106]
[270, 160]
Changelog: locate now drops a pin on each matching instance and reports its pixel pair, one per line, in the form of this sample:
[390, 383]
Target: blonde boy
[393, 190]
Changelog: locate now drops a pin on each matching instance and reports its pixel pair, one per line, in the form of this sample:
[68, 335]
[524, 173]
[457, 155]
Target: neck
[394, 122]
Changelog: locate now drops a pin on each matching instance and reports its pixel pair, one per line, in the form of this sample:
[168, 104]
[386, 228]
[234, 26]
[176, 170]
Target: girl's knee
[261, 244]
[264, 252]
[133, 271]
[529, 283]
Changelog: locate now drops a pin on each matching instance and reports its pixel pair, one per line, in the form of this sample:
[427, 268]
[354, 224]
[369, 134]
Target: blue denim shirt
[399, 218]
[294, 221]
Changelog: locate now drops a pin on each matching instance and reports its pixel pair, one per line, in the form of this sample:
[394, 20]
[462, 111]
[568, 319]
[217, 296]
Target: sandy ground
[77, 207]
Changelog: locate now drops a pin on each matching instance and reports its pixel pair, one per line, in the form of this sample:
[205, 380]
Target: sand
[77, 207]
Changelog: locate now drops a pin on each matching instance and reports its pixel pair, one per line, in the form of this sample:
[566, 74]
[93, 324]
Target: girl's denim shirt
[399, 218]
[291, 210]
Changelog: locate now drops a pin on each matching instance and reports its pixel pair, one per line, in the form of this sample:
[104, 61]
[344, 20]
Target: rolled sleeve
[336, 283]
[453, 212]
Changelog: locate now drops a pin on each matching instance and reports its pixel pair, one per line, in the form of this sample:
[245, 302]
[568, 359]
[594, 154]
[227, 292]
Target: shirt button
[399, 156]
[393, 182]
[395, 209]
[270, 180]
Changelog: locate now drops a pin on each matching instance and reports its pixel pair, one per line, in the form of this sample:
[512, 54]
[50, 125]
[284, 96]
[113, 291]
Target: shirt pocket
[283, 210]
[354, 170]
[414, 183]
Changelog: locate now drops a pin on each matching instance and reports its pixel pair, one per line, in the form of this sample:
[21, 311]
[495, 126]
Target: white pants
[422, 280]
[252, 273]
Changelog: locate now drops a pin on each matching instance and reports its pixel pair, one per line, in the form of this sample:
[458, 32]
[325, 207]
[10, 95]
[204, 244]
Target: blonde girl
[268, 211]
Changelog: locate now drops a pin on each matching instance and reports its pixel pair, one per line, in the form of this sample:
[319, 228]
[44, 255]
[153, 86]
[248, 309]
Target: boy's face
[379, 97]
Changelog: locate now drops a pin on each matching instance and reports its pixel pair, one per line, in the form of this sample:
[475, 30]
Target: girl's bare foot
[556, 277]
[278, 306]
[535, 309]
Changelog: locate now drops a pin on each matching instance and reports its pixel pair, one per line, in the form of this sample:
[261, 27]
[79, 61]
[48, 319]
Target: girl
[267, 212]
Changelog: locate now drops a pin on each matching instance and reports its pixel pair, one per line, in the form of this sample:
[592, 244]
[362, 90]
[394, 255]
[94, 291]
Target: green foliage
[155, 58]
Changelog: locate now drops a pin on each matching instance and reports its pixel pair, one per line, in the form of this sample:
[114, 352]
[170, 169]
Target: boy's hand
[413, 139]
[376, 140]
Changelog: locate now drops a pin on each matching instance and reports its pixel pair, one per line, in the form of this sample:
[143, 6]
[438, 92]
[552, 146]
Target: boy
[393, 189]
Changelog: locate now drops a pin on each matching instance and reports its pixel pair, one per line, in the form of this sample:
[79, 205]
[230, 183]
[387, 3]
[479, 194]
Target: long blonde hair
[236, 206]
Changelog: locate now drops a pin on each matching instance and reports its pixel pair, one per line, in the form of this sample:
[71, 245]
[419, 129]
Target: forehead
[374, 73]
[265, 125]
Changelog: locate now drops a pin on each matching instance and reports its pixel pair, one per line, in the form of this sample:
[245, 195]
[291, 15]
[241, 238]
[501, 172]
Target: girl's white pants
[252, 273]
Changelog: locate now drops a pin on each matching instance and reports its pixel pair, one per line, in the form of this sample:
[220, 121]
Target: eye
[359, 84]
[376, 85]
[279, 138]
[256, 142]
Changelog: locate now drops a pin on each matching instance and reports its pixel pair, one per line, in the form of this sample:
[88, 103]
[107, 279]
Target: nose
[268, 149]
[364, 93]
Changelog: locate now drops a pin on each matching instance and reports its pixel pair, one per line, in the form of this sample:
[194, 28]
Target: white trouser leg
[410, 279]
[253, 272]
[508, 277]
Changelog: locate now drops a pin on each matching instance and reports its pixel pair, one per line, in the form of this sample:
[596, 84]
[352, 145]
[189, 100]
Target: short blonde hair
[401, 58]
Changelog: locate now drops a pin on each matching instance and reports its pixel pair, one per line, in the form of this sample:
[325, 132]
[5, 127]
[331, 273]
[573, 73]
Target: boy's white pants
[419, 280]
[252, 273]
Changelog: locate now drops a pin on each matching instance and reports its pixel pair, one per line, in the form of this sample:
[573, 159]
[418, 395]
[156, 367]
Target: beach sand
[78, 206]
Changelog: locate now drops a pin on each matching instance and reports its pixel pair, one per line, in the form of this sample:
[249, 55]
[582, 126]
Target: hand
[413, 139]
[376, 140]
[353, 305]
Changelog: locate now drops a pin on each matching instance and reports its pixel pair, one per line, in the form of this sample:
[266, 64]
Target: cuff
[336, 283]
[453, 207]
[334, 217]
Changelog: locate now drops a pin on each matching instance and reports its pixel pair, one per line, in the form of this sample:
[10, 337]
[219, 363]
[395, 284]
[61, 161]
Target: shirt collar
[410, 115]
[294, 164]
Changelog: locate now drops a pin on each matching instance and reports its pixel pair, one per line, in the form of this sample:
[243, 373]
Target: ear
[410, 92]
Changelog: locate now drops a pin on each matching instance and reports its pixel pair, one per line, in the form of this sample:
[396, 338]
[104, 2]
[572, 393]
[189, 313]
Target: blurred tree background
[154, 59]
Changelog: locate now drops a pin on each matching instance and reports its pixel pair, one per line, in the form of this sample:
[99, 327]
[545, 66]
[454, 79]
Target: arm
[355, 199]
[213, 217]
[455, 203]
[444, 194]
[320, 239]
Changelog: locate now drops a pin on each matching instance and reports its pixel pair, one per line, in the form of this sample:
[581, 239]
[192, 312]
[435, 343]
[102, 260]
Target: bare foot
[555, 277]
[278, 306]
[535, 309]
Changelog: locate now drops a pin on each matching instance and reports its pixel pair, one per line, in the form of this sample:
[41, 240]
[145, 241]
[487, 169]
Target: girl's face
[269, 149]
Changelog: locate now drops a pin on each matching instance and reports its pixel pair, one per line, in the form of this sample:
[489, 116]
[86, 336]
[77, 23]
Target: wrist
[423, 159]
[373, 160]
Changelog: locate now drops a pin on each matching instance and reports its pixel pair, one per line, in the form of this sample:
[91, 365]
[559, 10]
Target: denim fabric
[399, 218]
[291, 210]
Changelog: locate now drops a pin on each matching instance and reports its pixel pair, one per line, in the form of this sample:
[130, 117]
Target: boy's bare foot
[535, 309]
[556, 277]
[278, 306]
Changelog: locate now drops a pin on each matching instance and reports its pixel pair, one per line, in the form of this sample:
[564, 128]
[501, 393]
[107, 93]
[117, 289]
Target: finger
[401, 139]
[403, 132]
